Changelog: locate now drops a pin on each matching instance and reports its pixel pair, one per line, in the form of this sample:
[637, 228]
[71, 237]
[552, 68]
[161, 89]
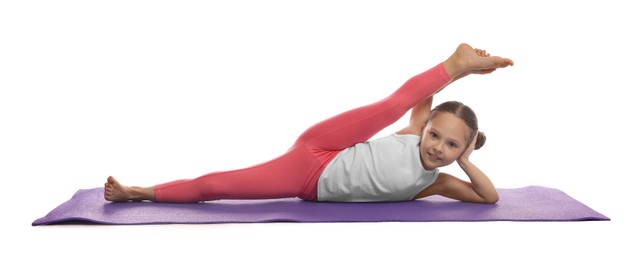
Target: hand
[465, 157]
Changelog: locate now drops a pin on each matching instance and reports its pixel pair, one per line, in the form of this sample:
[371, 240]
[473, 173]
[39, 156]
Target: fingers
[476, 136]
[470, 148]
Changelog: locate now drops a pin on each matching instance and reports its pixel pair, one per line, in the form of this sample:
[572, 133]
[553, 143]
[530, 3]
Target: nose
[438, 149]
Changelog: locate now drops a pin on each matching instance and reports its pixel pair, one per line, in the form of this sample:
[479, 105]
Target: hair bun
[480, 140]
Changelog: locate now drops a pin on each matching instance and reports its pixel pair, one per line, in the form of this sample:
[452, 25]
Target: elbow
[488, 198]
[492, 199]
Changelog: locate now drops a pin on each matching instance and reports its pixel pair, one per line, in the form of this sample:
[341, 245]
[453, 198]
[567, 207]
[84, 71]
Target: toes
[482, 53]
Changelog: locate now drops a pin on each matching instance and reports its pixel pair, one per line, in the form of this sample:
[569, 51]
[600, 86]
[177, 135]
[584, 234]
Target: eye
[433, 135]
[452, 144]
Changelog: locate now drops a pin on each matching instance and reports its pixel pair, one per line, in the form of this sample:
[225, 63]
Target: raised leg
[360, 124]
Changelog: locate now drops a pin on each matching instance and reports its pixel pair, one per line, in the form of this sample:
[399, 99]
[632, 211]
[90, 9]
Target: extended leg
[283, 177]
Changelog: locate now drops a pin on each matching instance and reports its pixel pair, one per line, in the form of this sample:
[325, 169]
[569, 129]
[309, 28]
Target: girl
[334, 161]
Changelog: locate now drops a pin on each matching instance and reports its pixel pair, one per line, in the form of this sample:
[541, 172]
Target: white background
[152, 91]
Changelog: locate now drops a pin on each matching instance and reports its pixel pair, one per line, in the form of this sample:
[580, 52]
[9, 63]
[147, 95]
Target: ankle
[455, 66]
[140, 193]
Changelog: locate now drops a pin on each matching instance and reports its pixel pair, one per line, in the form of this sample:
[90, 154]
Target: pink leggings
[296, 173]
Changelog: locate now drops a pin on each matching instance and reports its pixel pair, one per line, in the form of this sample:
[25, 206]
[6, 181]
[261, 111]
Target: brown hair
[466, 114]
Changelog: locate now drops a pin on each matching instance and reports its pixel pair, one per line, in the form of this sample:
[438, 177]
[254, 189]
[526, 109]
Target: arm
[480, 183]
[479, 190]
[419, 114]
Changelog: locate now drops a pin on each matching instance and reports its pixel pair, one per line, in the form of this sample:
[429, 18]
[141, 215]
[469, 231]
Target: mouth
[434, 157]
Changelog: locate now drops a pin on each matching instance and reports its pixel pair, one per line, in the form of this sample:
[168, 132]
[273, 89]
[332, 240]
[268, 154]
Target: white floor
[151, 91]
[498, 240]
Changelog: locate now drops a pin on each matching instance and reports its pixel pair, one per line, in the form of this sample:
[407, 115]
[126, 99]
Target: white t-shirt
[385, 169]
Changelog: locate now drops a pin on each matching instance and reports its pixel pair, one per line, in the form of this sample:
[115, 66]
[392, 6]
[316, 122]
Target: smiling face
[444, 140]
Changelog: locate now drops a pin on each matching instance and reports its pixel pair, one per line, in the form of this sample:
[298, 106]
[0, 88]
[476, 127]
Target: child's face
[444, 140]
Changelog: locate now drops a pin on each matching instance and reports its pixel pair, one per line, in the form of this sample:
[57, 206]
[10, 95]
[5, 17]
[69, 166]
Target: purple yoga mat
[531, 203]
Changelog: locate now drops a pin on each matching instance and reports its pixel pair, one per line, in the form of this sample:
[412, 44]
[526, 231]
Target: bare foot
[467, 60]
[115, 191]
